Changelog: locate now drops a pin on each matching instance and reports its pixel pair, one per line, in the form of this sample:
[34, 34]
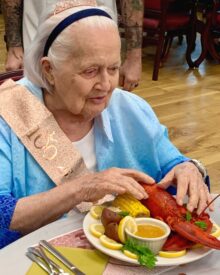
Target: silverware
[40, 255]
[54, 267]
[52, 264]
[60, 257]
[39, 262]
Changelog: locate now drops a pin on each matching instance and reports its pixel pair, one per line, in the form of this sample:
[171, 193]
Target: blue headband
[68, 21]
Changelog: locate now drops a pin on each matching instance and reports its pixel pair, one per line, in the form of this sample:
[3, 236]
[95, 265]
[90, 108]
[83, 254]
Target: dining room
[187, 101]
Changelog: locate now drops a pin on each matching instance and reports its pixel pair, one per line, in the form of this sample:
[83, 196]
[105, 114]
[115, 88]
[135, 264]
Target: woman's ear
[47, 70]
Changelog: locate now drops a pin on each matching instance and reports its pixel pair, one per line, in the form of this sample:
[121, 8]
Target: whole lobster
[186, 233]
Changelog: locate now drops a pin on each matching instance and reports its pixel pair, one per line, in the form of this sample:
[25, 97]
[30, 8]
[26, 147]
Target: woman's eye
[90, 72]
[113, 69]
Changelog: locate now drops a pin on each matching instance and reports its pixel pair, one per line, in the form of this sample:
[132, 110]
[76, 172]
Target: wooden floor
[186, 101]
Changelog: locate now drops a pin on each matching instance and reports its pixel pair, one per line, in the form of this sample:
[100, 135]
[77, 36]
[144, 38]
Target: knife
[60, 257]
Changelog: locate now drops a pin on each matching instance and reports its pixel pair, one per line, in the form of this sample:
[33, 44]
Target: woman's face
[84, 84]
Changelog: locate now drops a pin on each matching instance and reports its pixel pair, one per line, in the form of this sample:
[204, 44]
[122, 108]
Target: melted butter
[149, 231]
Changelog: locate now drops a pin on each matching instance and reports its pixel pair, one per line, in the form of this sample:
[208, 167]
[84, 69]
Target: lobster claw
[175, 242]
[195, 234]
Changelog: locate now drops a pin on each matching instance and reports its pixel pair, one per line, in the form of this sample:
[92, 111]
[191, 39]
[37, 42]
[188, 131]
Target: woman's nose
[105, 81]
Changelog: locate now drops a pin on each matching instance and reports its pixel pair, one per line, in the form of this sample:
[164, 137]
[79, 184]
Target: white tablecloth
[14, 262]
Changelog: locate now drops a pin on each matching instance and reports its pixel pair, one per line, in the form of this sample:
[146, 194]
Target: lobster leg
[195, 234]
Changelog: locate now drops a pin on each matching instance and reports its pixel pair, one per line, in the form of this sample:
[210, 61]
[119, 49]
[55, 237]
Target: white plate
[191, 255]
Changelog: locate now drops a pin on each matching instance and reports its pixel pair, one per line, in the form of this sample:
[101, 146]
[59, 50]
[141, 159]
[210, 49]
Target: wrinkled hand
[93, 187]
[14, 59]
[130, 71]
[189, 181]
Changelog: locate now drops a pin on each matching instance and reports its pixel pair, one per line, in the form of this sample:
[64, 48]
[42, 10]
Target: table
[12, 258]
[14, 262]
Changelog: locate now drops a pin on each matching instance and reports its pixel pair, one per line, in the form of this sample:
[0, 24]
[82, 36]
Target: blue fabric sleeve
[6, 182]
[7, 206]
[168, 155]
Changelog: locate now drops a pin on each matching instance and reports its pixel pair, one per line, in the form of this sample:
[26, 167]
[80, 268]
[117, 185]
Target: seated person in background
[21, 21]
[68, 135]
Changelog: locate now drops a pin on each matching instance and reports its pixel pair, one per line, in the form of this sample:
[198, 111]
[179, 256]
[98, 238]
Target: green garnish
[123, 213]
[188, 216]
[145, 255]
[201, 224]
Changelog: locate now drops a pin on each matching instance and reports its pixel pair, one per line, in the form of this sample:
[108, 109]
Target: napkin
[82, 258]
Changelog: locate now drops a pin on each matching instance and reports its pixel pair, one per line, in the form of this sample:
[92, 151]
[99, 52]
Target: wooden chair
[209, 27]
[162, 23]
[15, 75]
[214, 32]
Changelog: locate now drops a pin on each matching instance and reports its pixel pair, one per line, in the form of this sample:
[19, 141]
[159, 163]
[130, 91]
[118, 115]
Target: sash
[38, 130]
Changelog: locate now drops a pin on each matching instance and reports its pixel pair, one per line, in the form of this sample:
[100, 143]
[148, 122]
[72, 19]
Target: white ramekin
[154, 244]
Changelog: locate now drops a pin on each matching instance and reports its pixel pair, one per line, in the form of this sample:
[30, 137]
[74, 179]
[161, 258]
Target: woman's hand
[189, 181]
[95, 186]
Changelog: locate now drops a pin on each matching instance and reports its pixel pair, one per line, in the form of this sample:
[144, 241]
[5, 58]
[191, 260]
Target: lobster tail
[195, 234]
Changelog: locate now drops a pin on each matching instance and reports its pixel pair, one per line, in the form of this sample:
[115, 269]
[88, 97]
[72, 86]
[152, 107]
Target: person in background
[19, 34]
[69, 136]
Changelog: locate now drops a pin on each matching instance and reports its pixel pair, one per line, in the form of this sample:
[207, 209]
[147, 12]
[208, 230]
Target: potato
[111, 231]
[109, 216]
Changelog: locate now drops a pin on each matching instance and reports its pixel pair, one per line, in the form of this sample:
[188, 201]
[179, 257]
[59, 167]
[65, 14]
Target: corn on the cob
[130, 204]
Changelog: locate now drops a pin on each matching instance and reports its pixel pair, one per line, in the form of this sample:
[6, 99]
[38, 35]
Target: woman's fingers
[202, 201]
[182, 189]
[205, 199]
[189, 181]
[194, 184]
[132, 182]
[116, 180]
[137, 175]
[133, 187]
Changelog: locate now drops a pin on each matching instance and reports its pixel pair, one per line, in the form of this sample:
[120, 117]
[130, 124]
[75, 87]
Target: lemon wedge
[128, 223]
[109, 243]
[96, 211]
[97, 229]
[130, 254]
[172, 254]
[215, 230]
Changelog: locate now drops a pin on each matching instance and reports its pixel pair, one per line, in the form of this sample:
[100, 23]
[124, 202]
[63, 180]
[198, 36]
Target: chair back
[155, 9]
[215, 15]
[14, 75]
[153, 5]
[163, 21]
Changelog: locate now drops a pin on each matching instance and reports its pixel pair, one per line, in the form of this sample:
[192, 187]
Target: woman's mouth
[98, 99]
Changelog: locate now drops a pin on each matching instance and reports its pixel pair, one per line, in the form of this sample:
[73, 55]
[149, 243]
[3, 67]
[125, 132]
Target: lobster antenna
[209, 204]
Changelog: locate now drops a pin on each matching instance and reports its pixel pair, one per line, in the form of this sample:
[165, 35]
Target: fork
[54, 267]
[60, 257]
[39, 262]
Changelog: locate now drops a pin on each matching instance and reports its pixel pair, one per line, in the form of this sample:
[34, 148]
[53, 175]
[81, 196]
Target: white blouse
[86, 147]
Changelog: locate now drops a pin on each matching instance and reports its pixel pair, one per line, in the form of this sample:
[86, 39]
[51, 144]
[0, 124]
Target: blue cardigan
[127, 135]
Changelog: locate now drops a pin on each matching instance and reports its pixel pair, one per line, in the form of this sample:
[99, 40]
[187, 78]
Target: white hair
[62, 47]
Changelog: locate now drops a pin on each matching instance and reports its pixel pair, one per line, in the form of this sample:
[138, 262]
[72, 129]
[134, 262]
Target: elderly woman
[65, 128]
